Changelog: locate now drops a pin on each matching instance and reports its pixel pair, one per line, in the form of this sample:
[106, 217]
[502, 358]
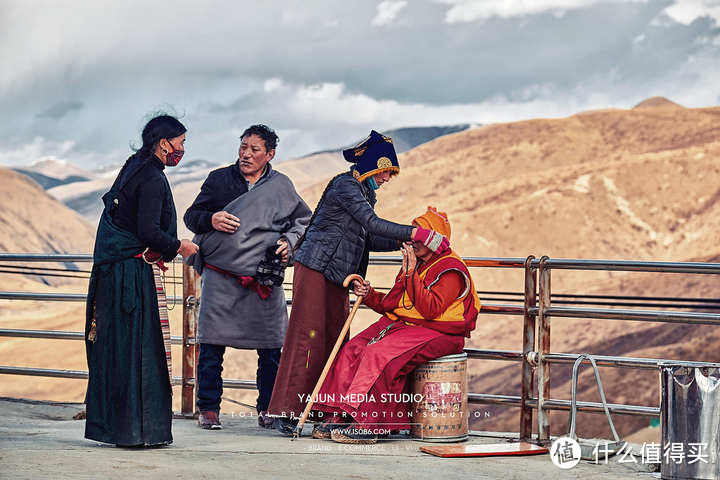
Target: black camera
[271, 271]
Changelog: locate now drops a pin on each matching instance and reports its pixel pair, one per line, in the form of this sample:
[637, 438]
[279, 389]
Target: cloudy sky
[80, 77]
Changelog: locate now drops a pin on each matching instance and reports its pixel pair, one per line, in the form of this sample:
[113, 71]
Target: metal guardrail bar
[42, 372]
[686, 306]
[636, 298]
[64, 335]
[57, 334]
[632, 266]
[42, 257]
[558, 263]
[569, 358]
[596, 407]
[63, 297]
[240, 384]
[499, 309]
[478, 398]
[636, 315]
[510, 355]
[470, 261]
[490, 399]
[528, 309]
[374, 260]
[586, 296]
[503, 309]
[59, 257]
[48, 297]
[624, 362]
[53, 373]
[563, 405]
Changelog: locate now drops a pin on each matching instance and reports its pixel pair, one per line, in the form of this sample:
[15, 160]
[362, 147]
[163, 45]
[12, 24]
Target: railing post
[526, 413]
[543, 348]
[189, 348]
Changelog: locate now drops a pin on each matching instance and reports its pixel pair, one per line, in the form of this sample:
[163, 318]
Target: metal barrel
[441, 413]
[690, 413]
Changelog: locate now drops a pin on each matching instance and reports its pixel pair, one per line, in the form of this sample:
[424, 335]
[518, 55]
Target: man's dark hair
[266, 133]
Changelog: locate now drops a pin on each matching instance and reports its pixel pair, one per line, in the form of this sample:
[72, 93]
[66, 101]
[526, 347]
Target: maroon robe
[366, 381]
[318, 312]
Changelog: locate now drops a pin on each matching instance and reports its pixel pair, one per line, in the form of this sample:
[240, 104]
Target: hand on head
[431, 239]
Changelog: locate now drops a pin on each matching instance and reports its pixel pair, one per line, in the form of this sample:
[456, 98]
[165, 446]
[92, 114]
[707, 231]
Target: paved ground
[40, 440]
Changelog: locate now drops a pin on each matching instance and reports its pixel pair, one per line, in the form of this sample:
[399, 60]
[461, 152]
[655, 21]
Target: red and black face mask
[173, 158]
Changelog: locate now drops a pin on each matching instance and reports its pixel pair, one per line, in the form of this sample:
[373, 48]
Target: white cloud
[685, 11]
[272, 84]
[38, 149]
[332, 105]
[472, 10]
[387, 11]
[332, 116]
[41, 149]
[315, 75]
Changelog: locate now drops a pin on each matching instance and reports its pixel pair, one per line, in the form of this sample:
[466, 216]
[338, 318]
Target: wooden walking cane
[298, 429]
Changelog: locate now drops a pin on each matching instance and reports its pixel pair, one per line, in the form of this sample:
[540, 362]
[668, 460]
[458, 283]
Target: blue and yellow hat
[373, 155]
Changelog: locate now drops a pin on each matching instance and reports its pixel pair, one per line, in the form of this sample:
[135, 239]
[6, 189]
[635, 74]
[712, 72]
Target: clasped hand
[409, 260]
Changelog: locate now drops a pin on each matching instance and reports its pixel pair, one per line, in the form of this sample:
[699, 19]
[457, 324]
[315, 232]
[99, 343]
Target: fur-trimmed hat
[373, 155]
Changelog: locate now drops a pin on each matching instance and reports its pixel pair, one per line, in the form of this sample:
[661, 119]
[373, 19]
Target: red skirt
[366, 382]
[319, 310]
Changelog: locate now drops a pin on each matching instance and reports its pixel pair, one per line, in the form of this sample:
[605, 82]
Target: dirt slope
[636, 184]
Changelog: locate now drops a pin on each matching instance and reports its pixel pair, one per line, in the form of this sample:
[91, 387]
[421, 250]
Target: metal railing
[534, 304]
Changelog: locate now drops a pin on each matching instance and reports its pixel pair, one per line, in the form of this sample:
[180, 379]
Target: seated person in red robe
[427, 314]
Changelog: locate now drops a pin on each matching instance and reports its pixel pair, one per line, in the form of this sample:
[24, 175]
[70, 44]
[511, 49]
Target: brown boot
[209, 420]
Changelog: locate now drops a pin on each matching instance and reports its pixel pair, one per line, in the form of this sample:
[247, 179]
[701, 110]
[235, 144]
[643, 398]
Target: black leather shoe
[286, 426]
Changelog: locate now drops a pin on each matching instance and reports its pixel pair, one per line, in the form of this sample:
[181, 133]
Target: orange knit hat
[434, 220]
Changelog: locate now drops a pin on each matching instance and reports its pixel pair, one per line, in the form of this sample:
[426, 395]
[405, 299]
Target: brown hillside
[624, 184]
[307, 171]
[33, 221]
[613, 184]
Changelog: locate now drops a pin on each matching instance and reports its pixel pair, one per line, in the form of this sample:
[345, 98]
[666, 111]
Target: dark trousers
[209, 372]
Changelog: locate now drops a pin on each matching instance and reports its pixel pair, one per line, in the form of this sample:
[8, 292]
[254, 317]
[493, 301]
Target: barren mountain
[636, 184]
[59, 169]
[33, 221]
[654, 102]
[622, 184]
[186, 179]
[639, 184]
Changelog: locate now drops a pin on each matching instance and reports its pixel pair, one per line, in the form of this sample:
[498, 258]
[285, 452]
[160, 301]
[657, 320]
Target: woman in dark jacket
[342, 232]
[129, 396]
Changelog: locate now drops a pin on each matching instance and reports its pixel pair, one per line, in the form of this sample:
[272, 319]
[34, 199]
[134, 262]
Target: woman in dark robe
[129, 394]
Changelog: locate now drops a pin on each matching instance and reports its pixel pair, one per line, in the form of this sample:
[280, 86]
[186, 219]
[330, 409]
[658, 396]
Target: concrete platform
[41, 440]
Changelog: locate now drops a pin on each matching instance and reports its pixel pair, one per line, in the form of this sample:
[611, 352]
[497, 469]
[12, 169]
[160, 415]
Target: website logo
[565, 453]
